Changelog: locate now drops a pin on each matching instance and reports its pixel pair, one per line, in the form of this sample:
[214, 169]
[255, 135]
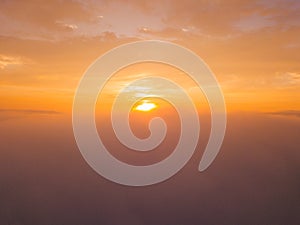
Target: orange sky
[251, 46]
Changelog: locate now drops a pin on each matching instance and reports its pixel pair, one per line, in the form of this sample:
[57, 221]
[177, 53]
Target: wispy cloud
[254, 22]
[288, 79]
[282, 80]
[9, 60]
[295, 113]
[9, 114]
[29, 111]
[67, 26]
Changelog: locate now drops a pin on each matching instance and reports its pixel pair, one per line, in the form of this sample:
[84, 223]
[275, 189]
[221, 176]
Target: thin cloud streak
[294, 113]
[29, 111]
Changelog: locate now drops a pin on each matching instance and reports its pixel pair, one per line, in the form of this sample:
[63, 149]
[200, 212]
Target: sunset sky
[252, 47]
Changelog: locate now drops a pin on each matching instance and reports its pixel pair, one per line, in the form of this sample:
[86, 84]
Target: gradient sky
[251, 46]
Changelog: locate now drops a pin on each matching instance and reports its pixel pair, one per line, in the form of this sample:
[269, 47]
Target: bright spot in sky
[145, 106]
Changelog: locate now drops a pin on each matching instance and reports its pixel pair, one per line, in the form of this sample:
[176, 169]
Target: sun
[145, 106]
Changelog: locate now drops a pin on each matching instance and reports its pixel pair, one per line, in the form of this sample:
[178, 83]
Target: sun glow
[145, 106]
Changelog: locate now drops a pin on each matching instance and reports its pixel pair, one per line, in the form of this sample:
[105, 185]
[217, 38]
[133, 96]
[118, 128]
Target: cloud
[29, 111]
[6, 61]
[254, 22]
[8, 114]
[134, 18]
[66, 26]
[287, 79]
[38, 21]
[295, 113]
[284, 80]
